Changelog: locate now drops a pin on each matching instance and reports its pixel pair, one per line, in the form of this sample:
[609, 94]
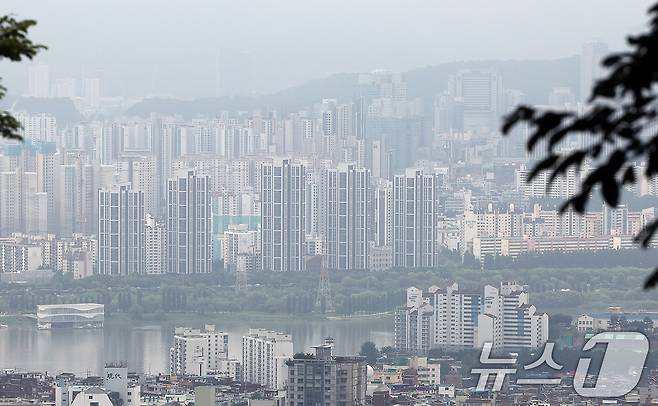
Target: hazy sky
[170, 46]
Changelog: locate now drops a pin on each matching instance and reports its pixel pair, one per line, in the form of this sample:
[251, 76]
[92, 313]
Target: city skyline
[369, 203]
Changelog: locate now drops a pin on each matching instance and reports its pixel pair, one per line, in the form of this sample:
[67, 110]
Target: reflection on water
[146, 346]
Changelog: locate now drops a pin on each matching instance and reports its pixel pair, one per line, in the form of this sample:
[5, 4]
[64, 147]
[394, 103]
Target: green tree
[14, 45]
[621, 116]
[370, 351]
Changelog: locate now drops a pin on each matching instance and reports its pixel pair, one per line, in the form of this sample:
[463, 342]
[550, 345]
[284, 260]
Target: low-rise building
[74, 315]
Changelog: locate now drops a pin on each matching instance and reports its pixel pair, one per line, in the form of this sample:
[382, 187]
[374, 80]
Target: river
[145, 346]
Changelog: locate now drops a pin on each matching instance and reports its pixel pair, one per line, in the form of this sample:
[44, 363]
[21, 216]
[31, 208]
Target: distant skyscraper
[383, 214]
[92, 92]
[66, 200]
[65, 87]
[234, 73]
[189, 223]
[591, 56]
[283, 215]
[345, 121]
[108, 144]
[561, 97]
[120, 231]
[35, 204]
[380, 160]
[141, 173]
[415, 209]
[155, 247]
[46, 159]
[38, 81]
[347, 191]
[9, 203]
[360, 113]
[479, 94]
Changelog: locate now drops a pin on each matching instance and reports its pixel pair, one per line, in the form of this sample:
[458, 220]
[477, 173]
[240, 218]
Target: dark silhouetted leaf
[652, 280]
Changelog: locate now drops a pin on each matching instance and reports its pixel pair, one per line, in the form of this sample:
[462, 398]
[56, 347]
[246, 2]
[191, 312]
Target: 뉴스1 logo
[620, 371]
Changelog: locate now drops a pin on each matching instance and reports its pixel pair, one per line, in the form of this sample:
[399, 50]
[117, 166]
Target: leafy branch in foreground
[621, 119]
[14, 45]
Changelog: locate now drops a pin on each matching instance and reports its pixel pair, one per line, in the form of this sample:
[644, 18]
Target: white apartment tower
[240, 248]
[415, 210]
[347, 190]
[383, 213]
[591, 56]
[39, 127]
[155, 246]
[283, 215]
[120, 231]
[509, 321]
[264, 354]
[196, 352]
[189, 223]
[9, 203]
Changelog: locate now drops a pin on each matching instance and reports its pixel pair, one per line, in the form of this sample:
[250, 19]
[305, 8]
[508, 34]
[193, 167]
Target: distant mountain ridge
[535, 78]
[62, 109]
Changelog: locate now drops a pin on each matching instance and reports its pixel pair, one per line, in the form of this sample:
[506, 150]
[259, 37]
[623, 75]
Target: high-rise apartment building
[415, 210]
[155, 246]
[509, 321]
[382, 232]
[346, 192]
[283, 208]
[453, 318]
[241, 248]
[189, 223]
[38, 127]
[10, 203]
[264, 356]
[591, 56]
[66, 201]
[120, 231]
[197, 352]
[38, 84]
[140, 171]
[478, 95]
[92, 92]
[65, 88]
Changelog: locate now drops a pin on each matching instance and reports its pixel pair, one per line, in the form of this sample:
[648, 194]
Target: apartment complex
[453, 318]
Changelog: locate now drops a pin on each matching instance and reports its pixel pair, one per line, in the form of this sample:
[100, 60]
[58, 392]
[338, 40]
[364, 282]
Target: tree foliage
[621, 119]
[370, 351]
[14, 46]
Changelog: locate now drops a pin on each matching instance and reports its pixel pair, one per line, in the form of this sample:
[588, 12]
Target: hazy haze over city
[337, 203]
[170, 47]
